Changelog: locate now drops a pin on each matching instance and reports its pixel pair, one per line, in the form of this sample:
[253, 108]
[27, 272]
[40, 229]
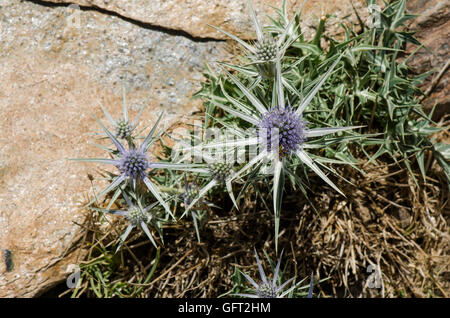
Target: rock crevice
[139, 23]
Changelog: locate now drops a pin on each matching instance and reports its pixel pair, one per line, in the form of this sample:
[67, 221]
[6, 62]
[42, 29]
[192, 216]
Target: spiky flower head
[136, 216]
[133, 163]
[266, 49]
[267, 290]
[289, 126]
[123, 129]
[220, 171]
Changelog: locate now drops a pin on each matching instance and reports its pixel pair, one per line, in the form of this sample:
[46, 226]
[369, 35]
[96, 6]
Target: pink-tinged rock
[433, 25]
[193, 16]
[53, 77]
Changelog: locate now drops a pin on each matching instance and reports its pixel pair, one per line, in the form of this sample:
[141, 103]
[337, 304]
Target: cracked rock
[54, 74]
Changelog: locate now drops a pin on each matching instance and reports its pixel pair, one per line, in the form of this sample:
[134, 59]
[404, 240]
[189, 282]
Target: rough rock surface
[53, 76]
[193, 16]
[434, 32]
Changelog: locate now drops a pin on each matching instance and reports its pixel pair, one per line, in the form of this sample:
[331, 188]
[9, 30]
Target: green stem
[320, 29]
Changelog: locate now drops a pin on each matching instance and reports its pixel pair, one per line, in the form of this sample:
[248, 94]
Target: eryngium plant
[272, 288]
[372, 89]
[280, 135]
[134, 166]
[376, 88]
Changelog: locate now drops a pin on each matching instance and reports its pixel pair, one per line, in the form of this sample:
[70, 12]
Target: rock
[193, 16]
[433, 27]
[54, 73]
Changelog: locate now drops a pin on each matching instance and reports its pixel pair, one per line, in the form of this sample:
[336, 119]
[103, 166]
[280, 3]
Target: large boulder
[54, 74]
[194, 16]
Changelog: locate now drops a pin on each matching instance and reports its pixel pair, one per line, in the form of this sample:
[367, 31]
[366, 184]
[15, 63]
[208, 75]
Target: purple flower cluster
[291, 129]
[133, 163]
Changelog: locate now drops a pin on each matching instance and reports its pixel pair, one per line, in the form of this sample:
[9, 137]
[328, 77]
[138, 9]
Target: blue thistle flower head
[290, 128]
[133, 163]
[267, 288]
